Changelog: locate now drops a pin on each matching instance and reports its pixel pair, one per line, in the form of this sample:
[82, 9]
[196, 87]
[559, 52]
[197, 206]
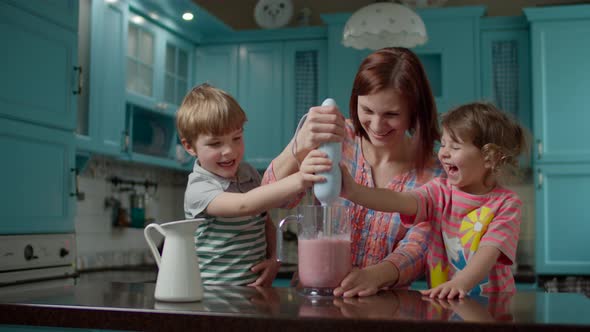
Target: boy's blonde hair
[500, 137]
[208, 110]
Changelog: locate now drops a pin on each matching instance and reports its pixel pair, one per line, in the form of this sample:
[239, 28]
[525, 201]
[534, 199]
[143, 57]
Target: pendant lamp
[384, 24]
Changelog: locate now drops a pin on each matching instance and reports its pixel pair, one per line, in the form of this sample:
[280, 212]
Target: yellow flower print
[438, 275]
[475, 225]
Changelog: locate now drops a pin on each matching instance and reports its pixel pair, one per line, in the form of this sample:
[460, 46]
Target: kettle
[179, 277]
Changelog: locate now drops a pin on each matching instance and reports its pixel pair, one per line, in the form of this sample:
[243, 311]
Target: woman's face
[384, 116]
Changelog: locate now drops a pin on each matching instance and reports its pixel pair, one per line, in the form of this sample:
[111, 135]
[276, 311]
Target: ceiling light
[384, 24]
[187, 16]
[137, 19]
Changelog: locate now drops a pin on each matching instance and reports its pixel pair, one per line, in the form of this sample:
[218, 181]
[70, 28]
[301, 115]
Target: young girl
[236, 244]
[475, 220]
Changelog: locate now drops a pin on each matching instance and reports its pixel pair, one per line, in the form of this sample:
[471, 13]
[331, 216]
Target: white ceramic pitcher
[179, 277]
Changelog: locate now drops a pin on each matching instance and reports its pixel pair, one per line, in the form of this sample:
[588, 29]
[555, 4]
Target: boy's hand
[315, 162]
[268, 270]
[449, 290]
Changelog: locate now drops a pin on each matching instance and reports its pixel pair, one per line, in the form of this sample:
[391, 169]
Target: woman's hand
[323, 124]
[367, 281]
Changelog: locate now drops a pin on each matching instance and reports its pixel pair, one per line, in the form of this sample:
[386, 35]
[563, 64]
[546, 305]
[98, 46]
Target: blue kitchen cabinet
[218, 66]
[304, 81]
[562, 225]
[450, 57]
[561, 82]
[38, 179]
[560, 86]
[159, 65]
[505, 65]
[101, 115]
[40, 77]
[260, 93]
[61, 12]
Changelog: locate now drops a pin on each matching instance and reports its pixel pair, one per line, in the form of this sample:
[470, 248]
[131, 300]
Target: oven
[31, 261]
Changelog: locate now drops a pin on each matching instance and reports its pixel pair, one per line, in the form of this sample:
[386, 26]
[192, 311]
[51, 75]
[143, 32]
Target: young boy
[237, 243]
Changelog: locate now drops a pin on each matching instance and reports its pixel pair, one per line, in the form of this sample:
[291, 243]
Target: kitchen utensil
[179, 277]
[323, 257]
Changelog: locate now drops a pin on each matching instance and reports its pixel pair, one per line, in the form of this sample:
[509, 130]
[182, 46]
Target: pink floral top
[379, 236]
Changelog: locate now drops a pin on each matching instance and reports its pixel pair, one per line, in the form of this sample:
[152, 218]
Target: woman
[388, 142]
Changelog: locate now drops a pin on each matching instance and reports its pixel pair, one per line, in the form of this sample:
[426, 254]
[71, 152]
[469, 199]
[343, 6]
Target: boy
[236, 245]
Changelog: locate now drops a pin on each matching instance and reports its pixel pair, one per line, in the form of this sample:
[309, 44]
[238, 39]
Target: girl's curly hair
[498, 135]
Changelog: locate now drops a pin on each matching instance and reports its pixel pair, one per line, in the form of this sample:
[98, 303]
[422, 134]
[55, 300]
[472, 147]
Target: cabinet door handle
[77, 192]
[539, 149]
[539, 179]
[78, 90]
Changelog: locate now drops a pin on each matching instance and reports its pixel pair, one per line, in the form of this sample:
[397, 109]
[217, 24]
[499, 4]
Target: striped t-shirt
[464, 222]
[227, 247]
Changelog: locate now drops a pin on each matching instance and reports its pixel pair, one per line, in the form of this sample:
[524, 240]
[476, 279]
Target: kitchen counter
[95, 304]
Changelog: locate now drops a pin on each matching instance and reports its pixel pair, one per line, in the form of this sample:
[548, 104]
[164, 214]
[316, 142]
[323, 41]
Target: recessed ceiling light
[154, 16]
[187, 16]
[137, 19]
[111, 1]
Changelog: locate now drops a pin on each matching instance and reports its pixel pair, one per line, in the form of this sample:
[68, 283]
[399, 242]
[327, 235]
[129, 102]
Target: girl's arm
[379, 199]
[478, 267]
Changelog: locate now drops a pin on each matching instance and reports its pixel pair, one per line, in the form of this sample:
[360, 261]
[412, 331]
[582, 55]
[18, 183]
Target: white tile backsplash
[99, 243]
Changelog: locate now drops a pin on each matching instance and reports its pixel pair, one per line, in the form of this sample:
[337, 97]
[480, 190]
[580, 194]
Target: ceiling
[239, 14]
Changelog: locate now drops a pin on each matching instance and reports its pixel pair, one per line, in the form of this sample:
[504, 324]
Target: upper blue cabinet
[561, 82]
[276, 76]
[450, 57]
[159, 64]
[505, 64]
[102, 48]
[40, 75]
[61, 12]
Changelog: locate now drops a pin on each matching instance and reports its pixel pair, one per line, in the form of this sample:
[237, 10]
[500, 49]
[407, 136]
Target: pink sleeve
[503, 230]
[424, 195]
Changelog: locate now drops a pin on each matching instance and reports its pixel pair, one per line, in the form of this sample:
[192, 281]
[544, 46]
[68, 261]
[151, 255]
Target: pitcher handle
[280, 231]
[150, 241]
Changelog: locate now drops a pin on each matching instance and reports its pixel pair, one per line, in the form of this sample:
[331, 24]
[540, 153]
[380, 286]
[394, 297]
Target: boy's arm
[257, 200]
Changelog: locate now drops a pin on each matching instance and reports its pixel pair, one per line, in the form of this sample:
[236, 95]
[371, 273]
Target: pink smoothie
[323, 263]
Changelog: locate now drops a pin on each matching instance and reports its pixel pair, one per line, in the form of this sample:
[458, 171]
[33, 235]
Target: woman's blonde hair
[208, 110]
[498, 135]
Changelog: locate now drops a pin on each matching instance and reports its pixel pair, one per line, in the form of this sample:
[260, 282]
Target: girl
[475, 220]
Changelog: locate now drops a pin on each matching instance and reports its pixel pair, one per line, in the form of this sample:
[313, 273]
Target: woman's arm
[323, 124]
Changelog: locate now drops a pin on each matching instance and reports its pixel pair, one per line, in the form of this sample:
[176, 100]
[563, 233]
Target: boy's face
[464, 164]
[220, 155]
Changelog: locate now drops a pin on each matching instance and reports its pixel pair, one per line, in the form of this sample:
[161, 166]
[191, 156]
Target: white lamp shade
[384, 24]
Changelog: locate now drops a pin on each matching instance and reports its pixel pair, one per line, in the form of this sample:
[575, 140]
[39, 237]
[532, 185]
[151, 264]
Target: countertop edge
[147, 320]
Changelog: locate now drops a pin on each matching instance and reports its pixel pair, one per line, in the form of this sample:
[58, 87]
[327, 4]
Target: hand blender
[327, 192]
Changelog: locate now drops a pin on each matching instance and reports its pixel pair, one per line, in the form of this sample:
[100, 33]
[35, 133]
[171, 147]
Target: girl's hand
[449, 290]
[348, 183]
[315, 162]
[323, 124]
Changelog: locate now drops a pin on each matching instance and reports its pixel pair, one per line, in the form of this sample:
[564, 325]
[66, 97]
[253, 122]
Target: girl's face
[220, 155]
[384, 116]
[464, 164]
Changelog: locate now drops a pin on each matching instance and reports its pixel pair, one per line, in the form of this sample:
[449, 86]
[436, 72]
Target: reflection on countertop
[131, 305]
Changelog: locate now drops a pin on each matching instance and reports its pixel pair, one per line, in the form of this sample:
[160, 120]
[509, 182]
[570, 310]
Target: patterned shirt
[464, 222]
[227, 247]
[379, 236]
